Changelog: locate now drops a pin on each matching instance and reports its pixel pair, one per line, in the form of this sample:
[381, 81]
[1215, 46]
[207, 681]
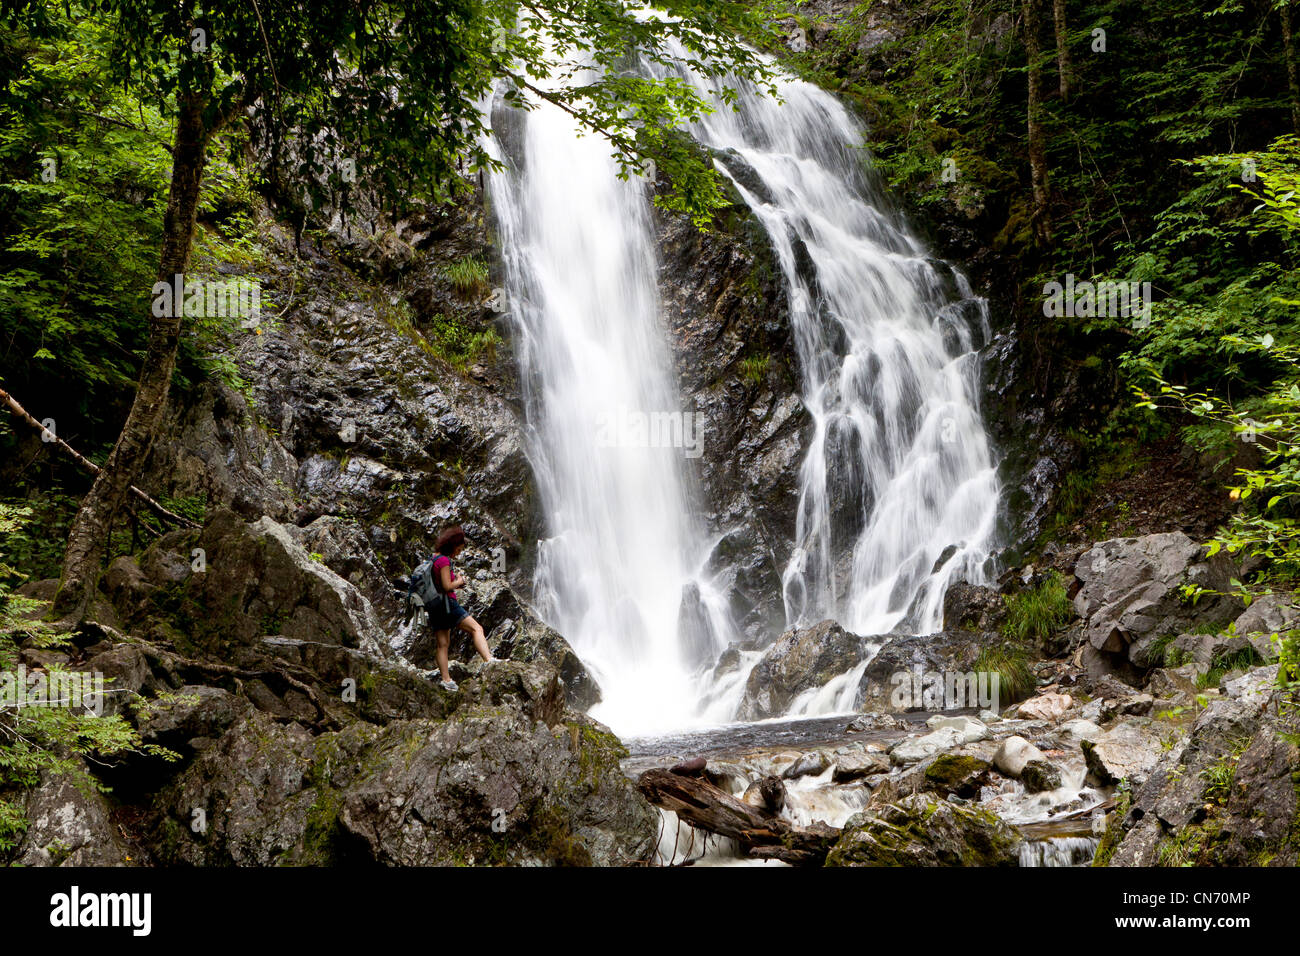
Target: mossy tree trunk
[88, 537]
[1063, 65]
[1292, 61]
[1037, 135]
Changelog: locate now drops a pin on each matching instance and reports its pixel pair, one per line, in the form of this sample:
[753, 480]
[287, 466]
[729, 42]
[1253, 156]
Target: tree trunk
[760, 835]
[1063, 67]
[88, 537]
[1292, 67]
[1037, 138]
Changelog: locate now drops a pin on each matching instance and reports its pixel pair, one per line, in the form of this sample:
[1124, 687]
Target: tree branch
[88, 465]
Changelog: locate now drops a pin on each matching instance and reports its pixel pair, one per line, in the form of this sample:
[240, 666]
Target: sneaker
[449, 685]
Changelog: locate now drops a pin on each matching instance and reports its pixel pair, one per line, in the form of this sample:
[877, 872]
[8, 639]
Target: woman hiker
[446, 613]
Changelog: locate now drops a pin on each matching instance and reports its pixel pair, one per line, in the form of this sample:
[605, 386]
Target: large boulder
[243, 801]
[858, 764]
[957, 773]
[1014, 754]
[973, 607]
[497, 788]
[1177, 686]
[1131, 588]
[921, 830]
[915, 749]
[245, 581]
[811, 764]
[802, 659]
[509, 775]
[1040, 775]
[1128, 751]
[127, 675]
[376, 690]
[69, 824]
[194, 713]
[923, 671]
[1268, 614]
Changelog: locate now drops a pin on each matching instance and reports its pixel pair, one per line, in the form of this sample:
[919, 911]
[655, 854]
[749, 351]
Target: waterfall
[1059, 851]
[898, 491]
[898, 488]
[621, 574]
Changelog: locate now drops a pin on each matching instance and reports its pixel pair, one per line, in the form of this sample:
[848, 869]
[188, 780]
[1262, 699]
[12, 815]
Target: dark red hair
[450, 539]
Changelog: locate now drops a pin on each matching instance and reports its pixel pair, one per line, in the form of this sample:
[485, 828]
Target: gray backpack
[423, 586]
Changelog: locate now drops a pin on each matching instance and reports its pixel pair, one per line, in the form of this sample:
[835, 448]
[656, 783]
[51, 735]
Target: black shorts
[445, 613]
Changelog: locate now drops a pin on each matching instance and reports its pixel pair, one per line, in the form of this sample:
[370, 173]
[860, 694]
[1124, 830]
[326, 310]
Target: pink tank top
[440, 562]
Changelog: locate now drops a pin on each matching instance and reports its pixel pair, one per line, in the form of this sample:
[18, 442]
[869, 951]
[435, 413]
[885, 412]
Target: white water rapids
[898, 491]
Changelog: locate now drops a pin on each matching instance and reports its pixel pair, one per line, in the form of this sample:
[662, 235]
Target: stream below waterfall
[1059, 827]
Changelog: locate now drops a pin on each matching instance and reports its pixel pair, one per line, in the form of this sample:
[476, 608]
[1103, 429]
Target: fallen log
[760, 835]
[87, 464]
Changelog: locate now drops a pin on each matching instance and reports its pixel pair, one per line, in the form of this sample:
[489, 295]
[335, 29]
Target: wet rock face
[921, 830]
[724, 305]
[802, 659]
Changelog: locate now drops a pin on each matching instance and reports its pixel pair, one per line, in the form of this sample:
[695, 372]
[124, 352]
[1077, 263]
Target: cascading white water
[898, 490]
[621, 575]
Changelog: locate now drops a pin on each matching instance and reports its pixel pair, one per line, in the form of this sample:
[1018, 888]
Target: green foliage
[80, 231]
[397, 88]
[453, 342]
[753, 368]
[1036, 613]
[1010, 661]
[37, 532]
[468, 276]
[1250, 390]
[383, 95]
[1288, 668]
[83, 185]
[40, 740]
[11, 519]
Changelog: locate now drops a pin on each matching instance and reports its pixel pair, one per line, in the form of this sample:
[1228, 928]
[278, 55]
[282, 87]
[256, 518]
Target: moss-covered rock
[491, 786]
[961, 774]
[1040, 775]
[921, 830]
[505, 774]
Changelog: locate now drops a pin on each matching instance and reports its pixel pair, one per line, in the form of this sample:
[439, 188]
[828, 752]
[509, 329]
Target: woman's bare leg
[444, 642]
[475, 630]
